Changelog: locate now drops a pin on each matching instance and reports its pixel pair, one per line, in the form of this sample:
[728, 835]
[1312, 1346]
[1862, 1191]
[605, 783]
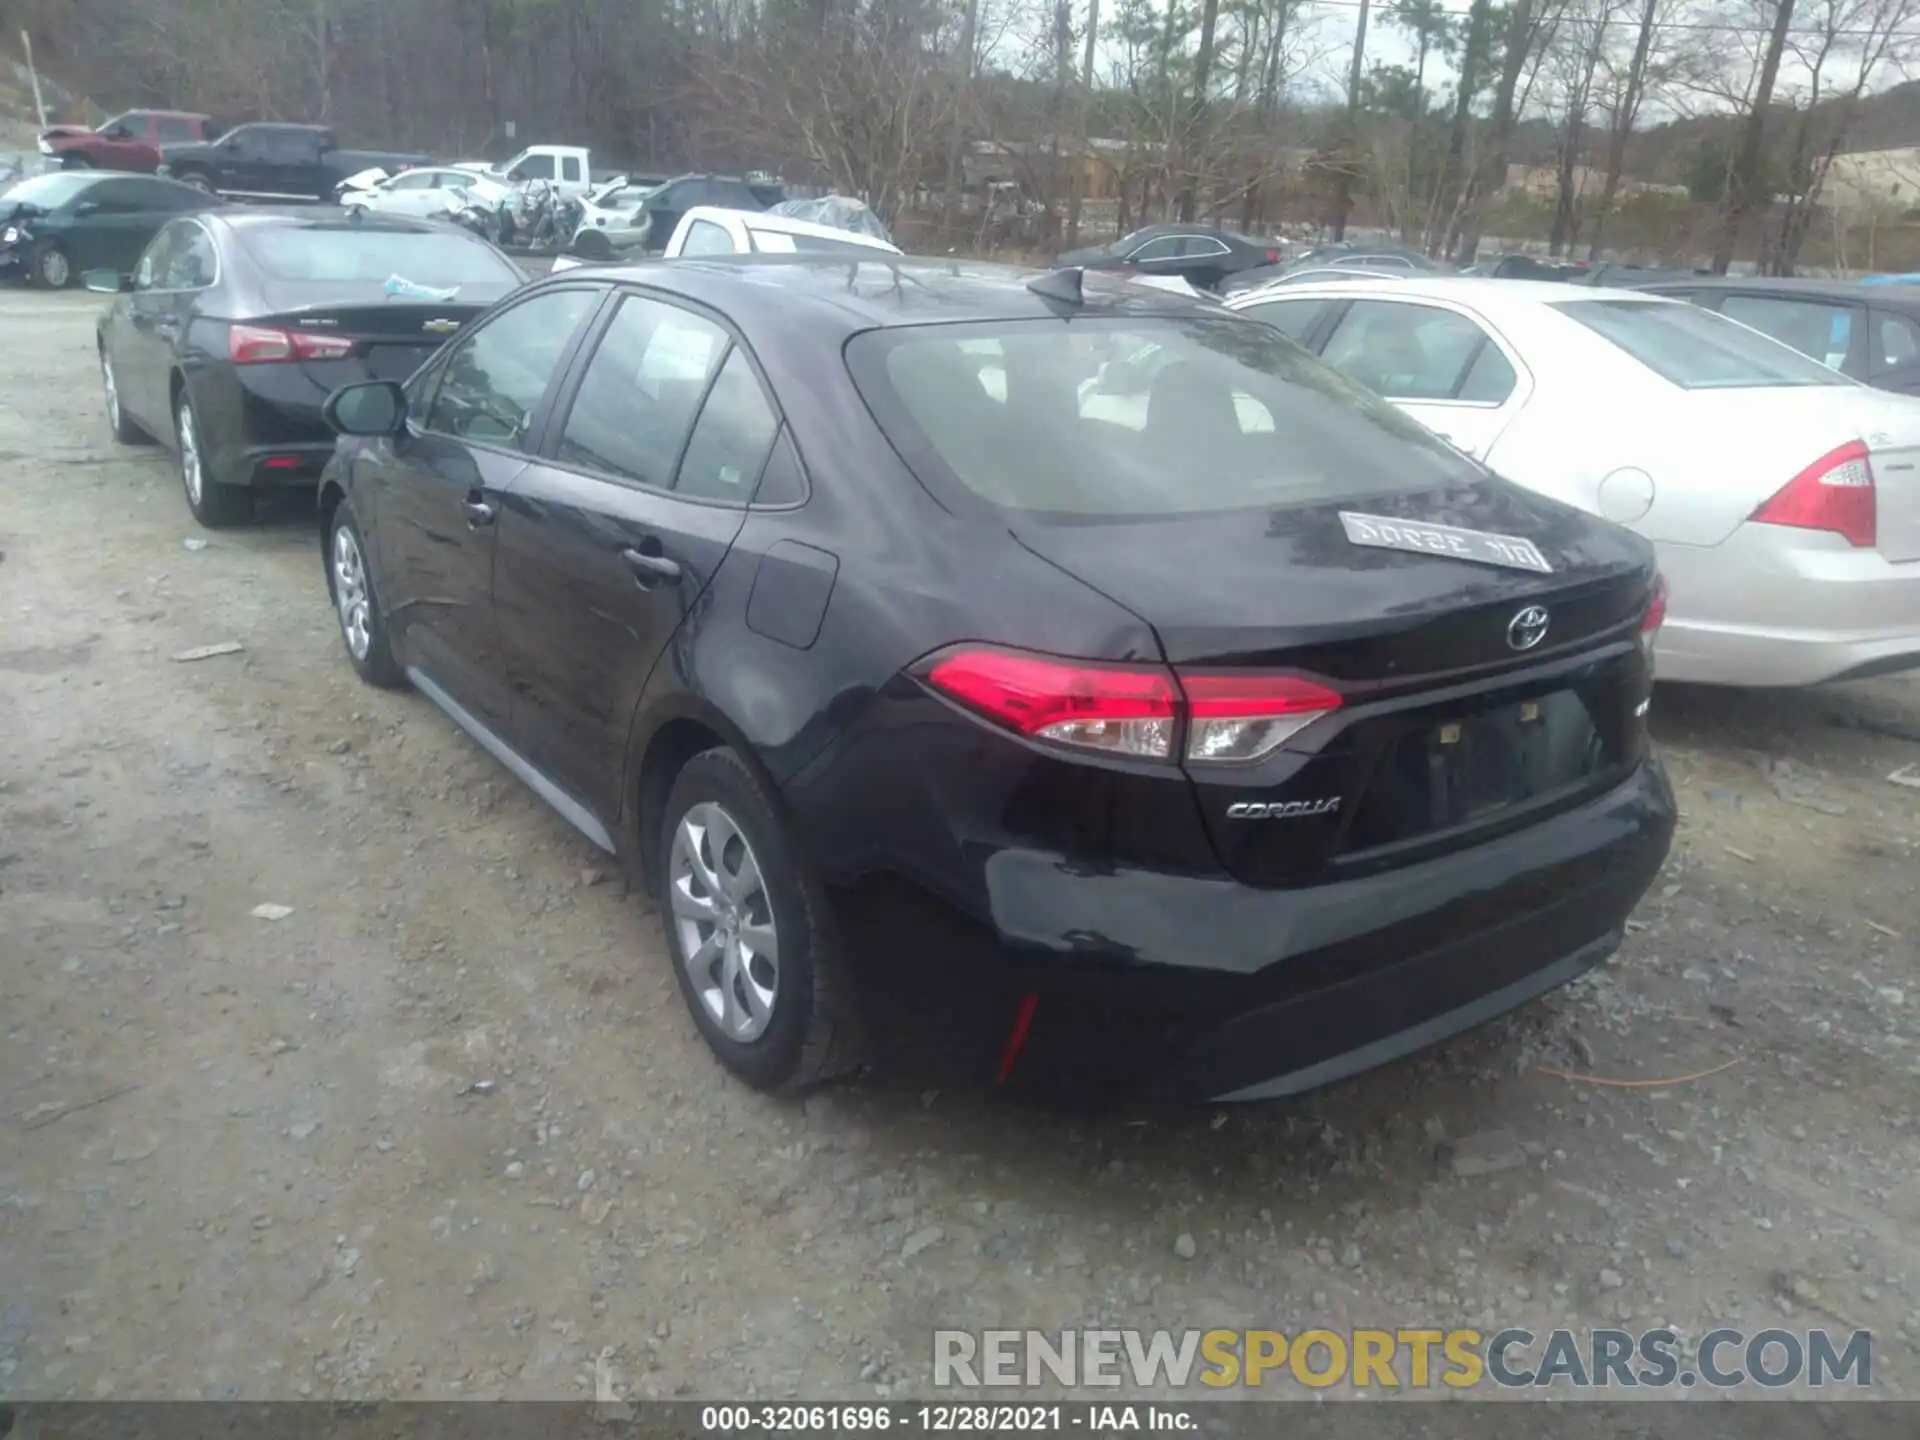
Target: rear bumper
[1777, 606]
[261, 425]
[1197, 989]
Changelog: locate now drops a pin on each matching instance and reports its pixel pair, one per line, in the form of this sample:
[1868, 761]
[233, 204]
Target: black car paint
[1867, 303]
[104, 222]
[673, 198]
[165, 341]
[1207, 272]
[274, 161]
[968, 869]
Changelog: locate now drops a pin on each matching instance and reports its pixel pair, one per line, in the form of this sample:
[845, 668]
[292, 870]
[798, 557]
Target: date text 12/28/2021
[943, 1419]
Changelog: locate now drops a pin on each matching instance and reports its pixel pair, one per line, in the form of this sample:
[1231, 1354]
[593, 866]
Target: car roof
[844, 293]
[308, 217]
[170, 114]
[787, 225]
[1482, 292]
[1850, 290]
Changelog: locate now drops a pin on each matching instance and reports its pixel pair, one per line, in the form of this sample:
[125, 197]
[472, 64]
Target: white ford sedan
[1782, 497]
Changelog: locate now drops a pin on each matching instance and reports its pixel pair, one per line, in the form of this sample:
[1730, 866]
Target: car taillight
[1834, 493]
[265, 345]
[1132, 710]
[1118, 709]
[1653, 617]
[1242, 717]
[1273, 257]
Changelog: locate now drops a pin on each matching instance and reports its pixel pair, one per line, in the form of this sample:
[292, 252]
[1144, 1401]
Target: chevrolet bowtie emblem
[440, 327]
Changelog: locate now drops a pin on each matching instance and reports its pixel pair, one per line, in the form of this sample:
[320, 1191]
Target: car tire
[778, 1017]
[75, 162]
[124, 430]
[198, 182]
[350, 586]
[592, 245]
[214, 505]
[52, 270]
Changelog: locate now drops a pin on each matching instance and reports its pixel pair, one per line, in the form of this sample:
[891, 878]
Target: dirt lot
[445, 1129]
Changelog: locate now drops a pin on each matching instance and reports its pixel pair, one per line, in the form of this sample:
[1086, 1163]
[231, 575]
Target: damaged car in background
[238, 323]
[55, 225]
[712, 230]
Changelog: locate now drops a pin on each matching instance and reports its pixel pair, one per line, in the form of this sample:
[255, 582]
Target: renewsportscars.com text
[1414, 1358]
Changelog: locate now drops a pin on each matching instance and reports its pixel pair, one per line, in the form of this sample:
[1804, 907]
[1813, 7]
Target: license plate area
[1469, 768]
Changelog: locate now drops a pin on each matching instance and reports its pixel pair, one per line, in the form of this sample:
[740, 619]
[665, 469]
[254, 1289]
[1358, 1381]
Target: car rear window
[1694, 348]
[347, 252]
[1128, 417]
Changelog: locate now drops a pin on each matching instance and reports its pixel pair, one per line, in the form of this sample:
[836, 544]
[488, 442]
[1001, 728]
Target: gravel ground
[445, 1130]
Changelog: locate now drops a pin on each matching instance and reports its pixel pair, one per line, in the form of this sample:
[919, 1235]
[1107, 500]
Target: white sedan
[429, 192]
[1783, 498]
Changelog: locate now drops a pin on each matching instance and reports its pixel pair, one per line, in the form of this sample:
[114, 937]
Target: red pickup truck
[127, 142]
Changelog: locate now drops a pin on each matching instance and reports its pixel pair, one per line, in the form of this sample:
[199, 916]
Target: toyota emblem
[1528, 628]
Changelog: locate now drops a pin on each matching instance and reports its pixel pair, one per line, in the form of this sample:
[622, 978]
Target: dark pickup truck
[127, 142]
[275, 162]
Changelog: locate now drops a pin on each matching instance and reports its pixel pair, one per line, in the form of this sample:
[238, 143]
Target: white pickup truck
[568, 168]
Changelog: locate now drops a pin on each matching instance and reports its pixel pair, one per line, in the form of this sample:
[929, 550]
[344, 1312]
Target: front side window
[534, 167]
[494, 381]
[1131, 417]
[1405, 352]
[640, 392]
[1695, 348]
[175, 132]
[1294, 319]
[1818, 330]
[1896, 341]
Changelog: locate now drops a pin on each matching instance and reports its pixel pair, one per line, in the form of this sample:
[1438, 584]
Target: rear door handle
[651, 569]
[478, 512]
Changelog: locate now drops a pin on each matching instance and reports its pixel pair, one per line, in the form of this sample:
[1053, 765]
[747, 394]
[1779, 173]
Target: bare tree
[1744, 181]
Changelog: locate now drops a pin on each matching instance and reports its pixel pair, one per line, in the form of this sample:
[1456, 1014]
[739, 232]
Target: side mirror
[106, 282]
[375, 407]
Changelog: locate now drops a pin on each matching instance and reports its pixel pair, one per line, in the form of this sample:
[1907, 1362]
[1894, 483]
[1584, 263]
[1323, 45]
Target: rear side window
[1694, 348]
[731, 439]
[1406, 352]
[496, 378]
[706, 238]
[1105, 418]
[362, 253]
[640, 392]
[1818, 330]
[175, 132]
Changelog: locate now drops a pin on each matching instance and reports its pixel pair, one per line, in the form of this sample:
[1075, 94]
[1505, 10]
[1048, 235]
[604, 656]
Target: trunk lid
[1753, 441]
[391, 339]
[1448, 732]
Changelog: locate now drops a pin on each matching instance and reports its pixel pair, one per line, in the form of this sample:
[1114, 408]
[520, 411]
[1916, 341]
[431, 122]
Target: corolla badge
[1281, 809]
[1528, 628]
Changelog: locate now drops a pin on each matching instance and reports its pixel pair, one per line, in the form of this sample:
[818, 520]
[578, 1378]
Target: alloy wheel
[55, 269]
[350, 592]
[723, 922]
[190, 471]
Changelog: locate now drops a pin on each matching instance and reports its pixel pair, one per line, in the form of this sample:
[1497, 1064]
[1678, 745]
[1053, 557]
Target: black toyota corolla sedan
[1063, 671]
[237, 324]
